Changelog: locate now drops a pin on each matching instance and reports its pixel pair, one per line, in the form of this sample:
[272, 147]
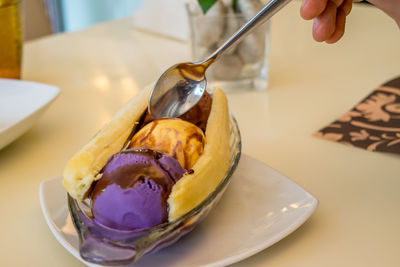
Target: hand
[329, 18]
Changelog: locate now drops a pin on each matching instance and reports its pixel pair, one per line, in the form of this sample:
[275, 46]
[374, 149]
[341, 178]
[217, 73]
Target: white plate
[21, 104]
[260, 207]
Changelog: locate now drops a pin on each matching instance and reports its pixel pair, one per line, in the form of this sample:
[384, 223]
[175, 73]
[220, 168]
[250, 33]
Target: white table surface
[311, 84]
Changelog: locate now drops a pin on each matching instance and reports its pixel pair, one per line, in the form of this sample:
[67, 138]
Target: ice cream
[169, 167]
[136, 183]
[133, 190]
[198, 115]
[177, 138]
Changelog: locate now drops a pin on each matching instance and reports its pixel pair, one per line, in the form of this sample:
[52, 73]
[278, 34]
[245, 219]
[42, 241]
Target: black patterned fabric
[373, 124]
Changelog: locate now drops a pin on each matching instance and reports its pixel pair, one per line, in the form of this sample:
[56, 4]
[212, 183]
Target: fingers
[346, 6]
[329, 18]
[337, 2]
[340, 25]
[312, 8]
[341, 14]
[324, 24]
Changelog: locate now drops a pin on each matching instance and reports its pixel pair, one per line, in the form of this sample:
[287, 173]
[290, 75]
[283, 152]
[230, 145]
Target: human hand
[329, 18]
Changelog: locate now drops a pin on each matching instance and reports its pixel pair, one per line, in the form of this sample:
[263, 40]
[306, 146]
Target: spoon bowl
[177, 90]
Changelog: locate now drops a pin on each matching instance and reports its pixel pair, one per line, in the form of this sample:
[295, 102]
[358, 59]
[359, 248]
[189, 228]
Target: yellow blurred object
[10, 39]
[177, 138]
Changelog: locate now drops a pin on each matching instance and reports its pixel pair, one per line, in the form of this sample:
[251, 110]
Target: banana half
[85, 166]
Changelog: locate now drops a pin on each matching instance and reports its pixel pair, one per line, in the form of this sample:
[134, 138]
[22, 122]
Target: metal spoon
[181, 86]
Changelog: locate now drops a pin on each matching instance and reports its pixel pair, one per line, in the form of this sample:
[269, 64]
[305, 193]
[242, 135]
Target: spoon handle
[262, 16]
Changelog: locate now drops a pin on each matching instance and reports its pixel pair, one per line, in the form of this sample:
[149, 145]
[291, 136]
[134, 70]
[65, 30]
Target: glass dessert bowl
[108, 246]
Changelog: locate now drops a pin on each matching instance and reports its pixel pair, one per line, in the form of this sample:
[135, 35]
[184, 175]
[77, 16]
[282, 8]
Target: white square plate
[21, 104]
[260, 207]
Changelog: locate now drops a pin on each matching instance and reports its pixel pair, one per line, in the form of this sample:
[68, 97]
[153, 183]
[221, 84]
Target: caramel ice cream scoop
[177, 138]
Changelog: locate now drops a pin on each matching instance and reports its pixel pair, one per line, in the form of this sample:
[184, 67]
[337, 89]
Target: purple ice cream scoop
[133, 191]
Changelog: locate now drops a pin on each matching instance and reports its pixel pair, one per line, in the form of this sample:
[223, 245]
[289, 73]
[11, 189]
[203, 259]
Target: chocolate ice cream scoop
[133, 191]
[198, 115]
